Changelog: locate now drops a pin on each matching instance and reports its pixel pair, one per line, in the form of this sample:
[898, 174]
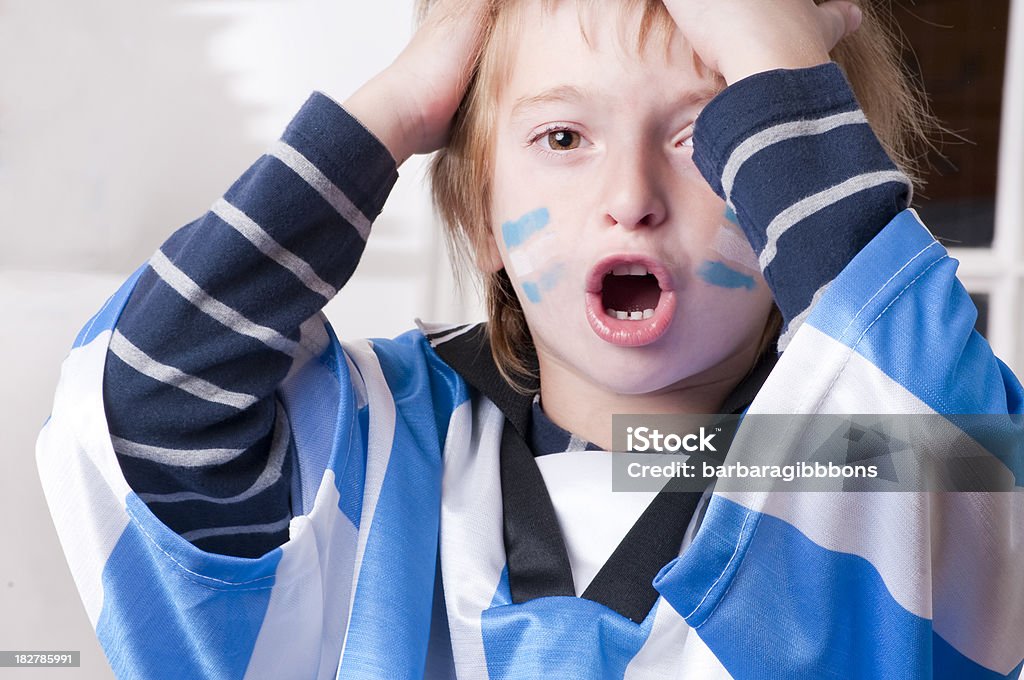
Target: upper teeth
[630, 270]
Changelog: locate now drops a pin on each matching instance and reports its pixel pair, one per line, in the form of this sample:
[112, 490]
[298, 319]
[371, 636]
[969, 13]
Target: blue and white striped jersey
[372, 509]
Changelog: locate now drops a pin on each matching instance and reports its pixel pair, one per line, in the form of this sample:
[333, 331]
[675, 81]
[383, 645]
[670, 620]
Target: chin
[633, 378]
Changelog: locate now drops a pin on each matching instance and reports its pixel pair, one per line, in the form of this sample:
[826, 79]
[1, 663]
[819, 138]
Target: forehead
[605, 48]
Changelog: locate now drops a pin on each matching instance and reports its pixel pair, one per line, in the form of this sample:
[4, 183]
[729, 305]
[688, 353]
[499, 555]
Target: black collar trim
[467, 349]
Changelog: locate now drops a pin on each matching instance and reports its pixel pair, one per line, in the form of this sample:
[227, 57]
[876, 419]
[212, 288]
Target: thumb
[838, 19]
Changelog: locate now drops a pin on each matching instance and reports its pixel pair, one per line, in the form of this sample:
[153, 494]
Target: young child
[660, 195]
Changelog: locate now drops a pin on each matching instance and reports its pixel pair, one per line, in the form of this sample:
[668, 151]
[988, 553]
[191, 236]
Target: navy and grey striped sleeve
[213, 326]
[800, 168]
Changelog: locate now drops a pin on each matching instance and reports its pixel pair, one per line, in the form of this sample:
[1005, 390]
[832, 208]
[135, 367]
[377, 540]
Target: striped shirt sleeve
[214, 325]
[803, 175]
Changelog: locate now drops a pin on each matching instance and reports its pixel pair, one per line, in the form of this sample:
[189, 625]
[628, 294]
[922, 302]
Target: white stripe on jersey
[78, 469]
[305, 621]
[472, 531]
[379, 442]
[893, 527]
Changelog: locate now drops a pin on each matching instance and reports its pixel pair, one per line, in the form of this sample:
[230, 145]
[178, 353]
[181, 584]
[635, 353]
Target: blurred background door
[973, 202]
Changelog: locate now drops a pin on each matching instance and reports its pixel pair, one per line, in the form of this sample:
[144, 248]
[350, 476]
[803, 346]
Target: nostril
[635, 219]
[638, 198]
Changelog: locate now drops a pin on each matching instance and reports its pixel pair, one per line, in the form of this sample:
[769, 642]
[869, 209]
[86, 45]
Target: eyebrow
[569, 93]
[560, 93]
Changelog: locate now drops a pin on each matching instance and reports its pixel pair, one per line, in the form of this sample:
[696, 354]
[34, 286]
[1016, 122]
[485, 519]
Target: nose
[633, 185]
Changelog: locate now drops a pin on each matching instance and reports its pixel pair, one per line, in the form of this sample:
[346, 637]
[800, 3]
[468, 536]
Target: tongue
[630, 293]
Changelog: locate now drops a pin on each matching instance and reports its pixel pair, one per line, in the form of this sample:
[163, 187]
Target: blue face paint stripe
[548, 280]
[731, 215]
[720, 274]
[532, 291]
[516, 232]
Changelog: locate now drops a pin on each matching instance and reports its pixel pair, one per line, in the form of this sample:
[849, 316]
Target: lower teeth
[631, 316]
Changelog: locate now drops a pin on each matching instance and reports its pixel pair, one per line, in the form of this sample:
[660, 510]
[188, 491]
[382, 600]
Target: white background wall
[120, 121]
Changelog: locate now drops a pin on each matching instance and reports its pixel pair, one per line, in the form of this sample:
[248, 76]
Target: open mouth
[630, 300]
[630, 292]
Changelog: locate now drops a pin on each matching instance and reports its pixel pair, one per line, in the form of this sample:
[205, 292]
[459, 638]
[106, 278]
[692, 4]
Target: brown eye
[563, 140]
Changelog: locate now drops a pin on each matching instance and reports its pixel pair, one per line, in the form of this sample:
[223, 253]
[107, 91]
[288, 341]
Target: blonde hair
[461, 173]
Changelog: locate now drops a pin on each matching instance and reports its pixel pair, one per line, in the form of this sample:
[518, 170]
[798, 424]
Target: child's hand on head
[409, 106]
[738, 38]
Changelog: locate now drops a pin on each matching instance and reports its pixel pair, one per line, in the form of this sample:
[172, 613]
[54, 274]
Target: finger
[454, 26]
[838, 19]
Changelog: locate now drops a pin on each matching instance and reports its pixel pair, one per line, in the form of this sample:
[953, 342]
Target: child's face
[593, 178]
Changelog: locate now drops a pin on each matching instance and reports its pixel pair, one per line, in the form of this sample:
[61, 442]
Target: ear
[488, 255]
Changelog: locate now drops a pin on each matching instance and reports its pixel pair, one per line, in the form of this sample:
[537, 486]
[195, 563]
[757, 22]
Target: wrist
[376, 106]
[745, 63]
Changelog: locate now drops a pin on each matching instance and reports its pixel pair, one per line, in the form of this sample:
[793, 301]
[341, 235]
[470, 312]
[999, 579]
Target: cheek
[731, 247]
[732, 295]
[518, 232]
[538, 287]
[532, 254]
[729, 261]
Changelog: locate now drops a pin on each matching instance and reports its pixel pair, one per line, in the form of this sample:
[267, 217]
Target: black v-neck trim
[538, 562]
[624, 582]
